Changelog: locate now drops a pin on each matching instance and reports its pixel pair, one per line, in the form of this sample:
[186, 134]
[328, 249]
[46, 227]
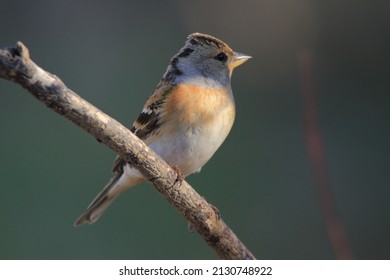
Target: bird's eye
[221, 57]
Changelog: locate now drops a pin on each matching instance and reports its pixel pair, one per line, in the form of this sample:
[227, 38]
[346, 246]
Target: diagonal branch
[16, 65]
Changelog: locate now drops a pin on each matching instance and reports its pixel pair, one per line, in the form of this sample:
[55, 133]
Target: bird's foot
[180, 177]
[216, 211]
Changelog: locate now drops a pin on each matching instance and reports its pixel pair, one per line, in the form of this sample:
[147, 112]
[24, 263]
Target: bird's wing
[147, 125]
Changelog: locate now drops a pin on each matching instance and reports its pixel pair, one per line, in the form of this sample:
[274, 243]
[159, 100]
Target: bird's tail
[105, 198]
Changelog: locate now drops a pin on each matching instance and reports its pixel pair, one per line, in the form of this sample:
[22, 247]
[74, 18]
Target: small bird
[185, 120]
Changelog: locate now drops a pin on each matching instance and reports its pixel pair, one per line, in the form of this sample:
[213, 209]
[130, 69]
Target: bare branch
[16, 65]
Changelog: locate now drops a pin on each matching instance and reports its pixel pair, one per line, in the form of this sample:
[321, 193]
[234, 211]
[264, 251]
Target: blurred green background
[113, 53]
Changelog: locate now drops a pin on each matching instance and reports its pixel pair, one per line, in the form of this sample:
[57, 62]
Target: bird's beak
[238, 59]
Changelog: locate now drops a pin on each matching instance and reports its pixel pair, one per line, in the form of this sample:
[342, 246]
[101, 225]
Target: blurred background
[304, 173]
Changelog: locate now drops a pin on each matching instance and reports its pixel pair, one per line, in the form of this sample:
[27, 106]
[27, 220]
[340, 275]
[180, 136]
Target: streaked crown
[204, 59]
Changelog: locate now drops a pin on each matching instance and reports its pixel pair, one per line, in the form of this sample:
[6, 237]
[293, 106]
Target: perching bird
[185, 120]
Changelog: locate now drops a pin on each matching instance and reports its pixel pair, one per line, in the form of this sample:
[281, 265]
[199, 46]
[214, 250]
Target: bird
[185, 120]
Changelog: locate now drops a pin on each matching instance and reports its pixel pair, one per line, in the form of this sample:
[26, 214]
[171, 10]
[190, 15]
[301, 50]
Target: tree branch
[16, 65]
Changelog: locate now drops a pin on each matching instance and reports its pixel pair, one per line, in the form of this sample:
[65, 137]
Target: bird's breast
[193, 104]
[196, 123]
